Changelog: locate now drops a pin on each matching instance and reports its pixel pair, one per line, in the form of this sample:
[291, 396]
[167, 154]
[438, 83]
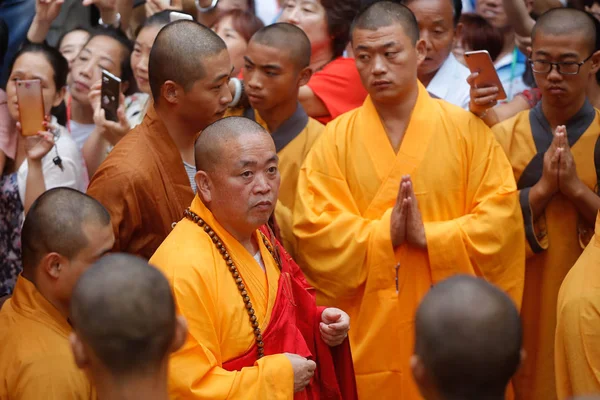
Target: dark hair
[245, 23]
[4, 34]
[62, 37]
[119, 36]
[589, 3]
[478, 34]
[57, 61]
[340, 14]
[457, 10]
[161, 18]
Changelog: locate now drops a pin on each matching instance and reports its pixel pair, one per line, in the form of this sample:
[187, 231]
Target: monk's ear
[52, 264]
[181, 331]
[417, 368]
[304, 76]
[203, 185]
[170, 91]
[595, 62]
[421, 48]
[523, 358]
[78, 349]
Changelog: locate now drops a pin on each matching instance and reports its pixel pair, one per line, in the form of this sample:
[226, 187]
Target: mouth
[222, 112]
[82, 87]
[556, 90]
[254, 98]
[142, 80]
[381, 84]
[264, 205]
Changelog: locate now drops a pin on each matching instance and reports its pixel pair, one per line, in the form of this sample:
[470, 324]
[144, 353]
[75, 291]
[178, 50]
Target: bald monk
[553, 150]
[468, 341]
[64, 232]
[276, 66]
[147, 181]
[125, 327]
[399, 195]
[255, 331]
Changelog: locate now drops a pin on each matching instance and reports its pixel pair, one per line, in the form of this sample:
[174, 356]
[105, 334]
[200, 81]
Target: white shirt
[267, 10]
[450, 83]
[81, 132]
[72, 176]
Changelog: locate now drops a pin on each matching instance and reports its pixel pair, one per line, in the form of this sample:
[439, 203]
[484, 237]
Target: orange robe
[347, 188]
[553, 243]
[36, 361]
[144, 186]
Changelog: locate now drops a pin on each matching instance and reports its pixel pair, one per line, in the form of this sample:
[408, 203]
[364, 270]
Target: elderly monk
[468, 341]
[64, 232]
[554, 151]
[255, 329]
[125, 327]
[276, 66]
[147, 181]
[399, 195]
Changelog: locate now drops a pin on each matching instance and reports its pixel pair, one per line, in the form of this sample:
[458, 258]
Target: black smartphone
[111, 89]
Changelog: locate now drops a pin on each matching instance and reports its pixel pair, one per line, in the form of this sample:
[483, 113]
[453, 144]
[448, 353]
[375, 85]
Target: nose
[87, 69]
[226, 97]
[253, 81]
[262, 184]
[291, 16]
[425, 36]
[553, 75]
[379, 66]
[142, 65]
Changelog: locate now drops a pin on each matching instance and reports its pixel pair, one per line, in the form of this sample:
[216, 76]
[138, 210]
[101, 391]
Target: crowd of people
[278, 171]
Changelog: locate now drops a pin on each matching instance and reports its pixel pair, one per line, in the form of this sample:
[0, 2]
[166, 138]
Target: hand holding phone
[109, 101]
[481, 62]
[31, 106]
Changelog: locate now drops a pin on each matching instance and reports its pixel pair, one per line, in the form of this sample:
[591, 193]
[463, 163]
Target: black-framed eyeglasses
[563, 68]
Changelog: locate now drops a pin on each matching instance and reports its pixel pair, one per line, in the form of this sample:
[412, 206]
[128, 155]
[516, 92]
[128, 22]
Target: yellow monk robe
[293, 140]
[561, 235]
[347, 188]
[219, 328]
[35, 354]
[577, 353]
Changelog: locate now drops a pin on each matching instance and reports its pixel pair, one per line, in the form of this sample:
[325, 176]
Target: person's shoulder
[513, 124]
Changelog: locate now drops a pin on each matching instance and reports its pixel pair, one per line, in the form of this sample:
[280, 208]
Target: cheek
[48, 95]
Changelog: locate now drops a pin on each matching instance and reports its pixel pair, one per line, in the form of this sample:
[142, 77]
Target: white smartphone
[480, 61]
[176, 16]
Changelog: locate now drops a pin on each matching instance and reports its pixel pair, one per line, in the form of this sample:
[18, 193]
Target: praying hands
[406, 222]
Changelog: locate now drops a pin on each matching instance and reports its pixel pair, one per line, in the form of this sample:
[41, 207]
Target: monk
[276, 66]
[255, 331]
[147, 180]
[468, 341]
[553, 150]
[398, 195]
[125, 327]
[64, 232]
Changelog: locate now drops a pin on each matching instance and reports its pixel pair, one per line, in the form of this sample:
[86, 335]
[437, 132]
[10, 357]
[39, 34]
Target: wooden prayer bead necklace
[189, 214]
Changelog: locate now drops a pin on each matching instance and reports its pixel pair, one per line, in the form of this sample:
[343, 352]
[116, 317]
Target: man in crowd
[125, 327]
[399, 195]
[253, 322]
[64, 232]
[147, 181]
[467, 341]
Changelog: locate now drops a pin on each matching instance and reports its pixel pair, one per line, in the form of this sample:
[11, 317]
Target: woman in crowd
[477, 34]
[49, 159]
[236, 27]
[71, 43]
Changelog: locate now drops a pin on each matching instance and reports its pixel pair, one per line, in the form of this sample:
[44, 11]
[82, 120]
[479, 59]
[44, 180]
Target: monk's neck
[321, 57]
[183, 136]
[81, 113]
[276, 116]
[153, 387]
[560, 115]
[395, 116]
[427, 78]
[46, 291]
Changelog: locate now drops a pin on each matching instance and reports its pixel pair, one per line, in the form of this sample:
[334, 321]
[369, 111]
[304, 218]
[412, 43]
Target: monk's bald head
[178, 52]
[287, 38]
[468, 338]
[55, 224]
[384, 13]
[567, 22]
[215, 139]
[124, 311]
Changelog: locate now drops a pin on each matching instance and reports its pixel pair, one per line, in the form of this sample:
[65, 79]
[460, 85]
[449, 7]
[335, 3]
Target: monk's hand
[399, 212]
[334, 326]
[303, 371]
[482, 97]
[568, 181]
[415, 229]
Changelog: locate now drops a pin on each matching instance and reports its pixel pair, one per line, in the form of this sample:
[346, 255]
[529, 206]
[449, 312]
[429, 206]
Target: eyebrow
[223, 76]
[385, 46]
[247, 163]
[566, 55]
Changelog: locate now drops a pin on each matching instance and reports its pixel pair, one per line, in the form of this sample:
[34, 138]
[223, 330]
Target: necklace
[189, 214]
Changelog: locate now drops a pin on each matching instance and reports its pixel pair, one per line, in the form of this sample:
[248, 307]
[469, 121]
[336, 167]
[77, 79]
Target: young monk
[253, 321]
[125, 327]
[147, 181]
[399, 195]
[276, 66]
[553, 149]
[64, 232]
[468, 341]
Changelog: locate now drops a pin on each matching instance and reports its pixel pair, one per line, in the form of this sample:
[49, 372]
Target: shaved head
[212, 142]
[289, 38]
[384, 13]
[468, 338]
[123, 309]
[567, 22]
[55, 223]
[178, 53]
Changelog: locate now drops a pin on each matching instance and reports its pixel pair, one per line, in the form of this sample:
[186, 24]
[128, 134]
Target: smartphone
[176, 16]
[481, 62]
[31, 106]
[111, 89]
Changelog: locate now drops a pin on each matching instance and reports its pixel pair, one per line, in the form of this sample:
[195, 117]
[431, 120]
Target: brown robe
[144, 186]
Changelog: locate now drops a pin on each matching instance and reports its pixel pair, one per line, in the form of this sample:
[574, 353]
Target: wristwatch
[115, 24]
[208, 9]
